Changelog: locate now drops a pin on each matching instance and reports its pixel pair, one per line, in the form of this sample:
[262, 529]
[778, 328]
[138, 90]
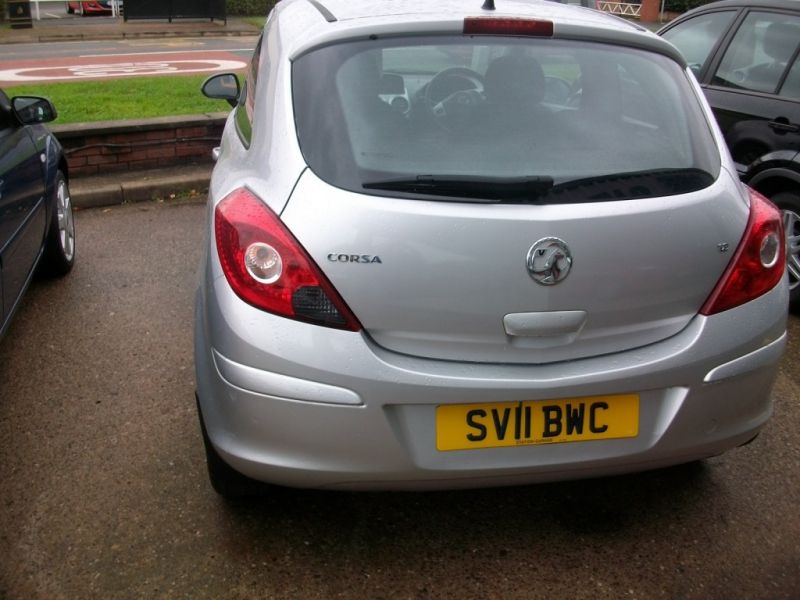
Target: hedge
[249, 8]
[679, 6]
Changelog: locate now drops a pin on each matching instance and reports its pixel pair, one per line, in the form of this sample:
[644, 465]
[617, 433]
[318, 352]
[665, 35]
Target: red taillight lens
[507, 26]
[269, 269]
[759, 262]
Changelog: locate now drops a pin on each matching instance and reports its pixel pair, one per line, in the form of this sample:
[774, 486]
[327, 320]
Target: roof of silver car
[357, 9]
[311, 23]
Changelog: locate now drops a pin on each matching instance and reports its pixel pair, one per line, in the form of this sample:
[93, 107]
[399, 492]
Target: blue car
[36, 222]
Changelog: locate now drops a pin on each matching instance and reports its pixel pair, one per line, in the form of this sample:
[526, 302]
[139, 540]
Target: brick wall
[101, 148]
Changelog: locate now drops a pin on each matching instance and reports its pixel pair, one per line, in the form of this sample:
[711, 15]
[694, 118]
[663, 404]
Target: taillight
[507, 26]
[269, 269]
[759, 262]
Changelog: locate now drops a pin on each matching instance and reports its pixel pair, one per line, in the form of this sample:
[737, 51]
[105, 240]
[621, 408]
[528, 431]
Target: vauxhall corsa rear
[450, 246]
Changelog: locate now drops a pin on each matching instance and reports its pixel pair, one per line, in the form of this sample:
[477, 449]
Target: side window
[6, 120]
[696, 37]
[759, 52]
[247, 98]
[791, 87]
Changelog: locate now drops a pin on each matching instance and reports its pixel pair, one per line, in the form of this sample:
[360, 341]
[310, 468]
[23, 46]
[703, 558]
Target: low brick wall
[107, 147]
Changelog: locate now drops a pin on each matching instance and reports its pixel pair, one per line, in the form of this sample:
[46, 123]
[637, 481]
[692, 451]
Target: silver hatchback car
[452, 245]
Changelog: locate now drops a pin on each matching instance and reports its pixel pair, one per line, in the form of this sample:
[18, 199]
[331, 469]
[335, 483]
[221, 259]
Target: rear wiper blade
[634, 184]
[501, 189]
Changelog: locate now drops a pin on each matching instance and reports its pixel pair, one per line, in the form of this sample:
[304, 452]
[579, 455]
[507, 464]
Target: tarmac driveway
[104, 492]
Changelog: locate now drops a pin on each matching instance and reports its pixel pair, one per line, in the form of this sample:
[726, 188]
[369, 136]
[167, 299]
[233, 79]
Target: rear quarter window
[247, 101]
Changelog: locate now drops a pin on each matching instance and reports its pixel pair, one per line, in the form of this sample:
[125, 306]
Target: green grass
[255, 21]
[118, 99]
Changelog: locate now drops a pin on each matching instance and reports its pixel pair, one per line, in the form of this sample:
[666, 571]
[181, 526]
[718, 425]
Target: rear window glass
[500, 119]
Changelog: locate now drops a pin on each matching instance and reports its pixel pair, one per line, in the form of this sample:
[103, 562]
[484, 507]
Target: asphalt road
[104, 491]
[81, 61]
[11, 53]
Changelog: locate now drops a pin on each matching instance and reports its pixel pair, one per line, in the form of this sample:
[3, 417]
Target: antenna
[488, 5]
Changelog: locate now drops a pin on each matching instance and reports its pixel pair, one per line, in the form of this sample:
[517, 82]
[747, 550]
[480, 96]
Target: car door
[752, 86]
[22, 209]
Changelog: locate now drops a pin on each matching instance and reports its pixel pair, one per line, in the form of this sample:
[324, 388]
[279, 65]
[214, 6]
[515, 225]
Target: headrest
[514, 79]
[780, 41]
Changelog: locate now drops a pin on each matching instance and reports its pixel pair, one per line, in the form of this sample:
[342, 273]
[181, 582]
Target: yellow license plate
[500, 424]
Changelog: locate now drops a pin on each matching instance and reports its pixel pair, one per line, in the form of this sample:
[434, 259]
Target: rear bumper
[303, 406]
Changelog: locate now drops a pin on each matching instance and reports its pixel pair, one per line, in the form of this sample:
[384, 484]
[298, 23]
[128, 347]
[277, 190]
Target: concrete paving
[104, 491]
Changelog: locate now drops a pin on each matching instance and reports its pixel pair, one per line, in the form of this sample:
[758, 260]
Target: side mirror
[224, 86]
[32, 110]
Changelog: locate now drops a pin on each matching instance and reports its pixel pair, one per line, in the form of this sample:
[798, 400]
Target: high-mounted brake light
[268, 268]
[759, 262]
[507, 26]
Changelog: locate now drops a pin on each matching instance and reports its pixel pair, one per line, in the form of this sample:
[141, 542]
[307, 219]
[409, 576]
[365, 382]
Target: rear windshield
[500, 119]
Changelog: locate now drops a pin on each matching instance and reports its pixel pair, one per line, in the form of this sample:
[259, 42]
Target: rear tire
[70, 10]
[59, 249]
[226, 481]
[789, 203]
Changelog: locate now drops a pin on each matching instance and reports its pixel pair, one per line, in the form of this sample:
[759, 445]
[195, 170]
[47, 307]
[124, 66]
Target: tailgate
[450, 280]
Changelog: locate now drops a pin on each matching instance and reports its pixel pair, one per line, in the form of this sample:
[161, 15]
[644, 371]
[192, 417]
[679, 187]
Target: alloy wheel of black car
[60, 247]
[789, 203]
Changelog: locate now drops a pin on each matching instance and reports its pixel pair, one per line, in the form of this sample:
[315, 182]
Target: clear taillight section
[269, 269]
[759, 262]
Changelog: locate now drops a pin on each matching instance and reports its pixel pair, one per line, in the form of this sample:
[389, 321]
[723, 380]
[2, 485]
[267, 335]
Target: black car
[746, 56]
[36, 224]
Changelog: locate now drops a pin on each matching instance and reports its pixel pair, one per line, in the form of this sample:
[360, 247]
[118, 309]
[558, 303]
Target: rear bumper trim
[282, 386]
[762, 357]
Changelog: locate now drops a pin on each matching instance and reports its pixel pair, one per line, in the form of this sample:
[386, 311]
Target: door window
[6, 119]
[696, 38]
[759, 52]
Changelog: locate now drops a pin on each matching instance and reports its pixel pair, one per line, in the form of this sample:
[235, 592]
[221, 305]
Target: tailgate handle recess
[545, 324]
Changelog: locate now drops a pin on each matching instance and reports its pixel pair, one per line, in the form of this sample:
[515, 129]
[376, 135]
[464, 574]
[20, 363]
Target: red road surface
[118, 65]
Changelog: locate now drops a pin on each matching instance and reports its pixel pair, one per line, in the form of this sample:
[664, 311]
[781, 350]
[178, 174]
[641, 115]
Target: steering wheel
[453, 94]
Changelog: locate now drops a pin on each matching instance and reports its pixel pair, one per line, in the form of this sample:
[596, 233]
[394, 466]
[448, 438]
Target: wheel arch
[775, 179]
